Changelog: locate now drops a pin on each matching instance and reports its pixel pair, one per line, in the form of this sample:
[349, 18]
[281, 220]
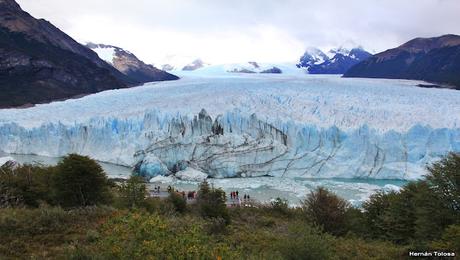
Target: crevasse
[236, 144]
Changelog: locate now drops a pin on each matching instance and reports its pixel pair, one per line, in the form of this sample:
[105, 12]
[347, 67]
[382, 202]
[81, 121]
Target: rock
[4, 160]
[241, 71]
[273, 70]
[8, 161]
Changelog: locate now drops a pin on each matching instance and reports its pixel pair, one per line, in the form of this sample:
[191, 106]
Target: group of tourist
[191, 195]
[234, 195]
[156, 189]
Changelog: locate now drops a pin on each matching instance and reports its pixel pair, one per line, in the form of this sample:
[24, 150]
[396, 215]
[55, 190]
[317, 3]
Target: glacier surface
[249, 126]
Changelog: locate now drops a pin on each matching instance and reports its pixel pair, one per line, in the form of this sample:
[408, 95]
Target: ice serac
[238, 145]
[249, 125]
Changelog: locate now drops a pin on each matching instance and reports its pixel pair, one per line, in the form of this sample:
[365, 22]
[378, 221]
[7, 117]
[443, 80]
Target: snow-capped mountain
[253, 67]
[240, 69]
[249, 125]
[176, 63]
[196, 64]
[128, 64]
[312, 57]
[335, 61]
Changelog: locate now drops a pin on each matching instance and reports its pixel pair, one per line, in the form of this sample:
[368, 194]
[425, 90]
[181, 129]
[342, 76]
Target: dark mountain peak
[427, 44]
[40, 63]
[16, 20]
[10, 4]
[435, 59]
[421, 45]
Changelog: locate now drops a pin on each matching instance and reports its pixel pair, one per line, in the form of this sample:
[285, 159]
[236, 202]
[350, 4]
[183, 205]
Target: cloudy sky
[223, 31]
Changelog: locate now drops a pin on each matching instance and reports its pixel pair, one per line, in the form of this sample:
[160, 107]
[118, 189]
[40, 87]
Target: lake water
[263, 189]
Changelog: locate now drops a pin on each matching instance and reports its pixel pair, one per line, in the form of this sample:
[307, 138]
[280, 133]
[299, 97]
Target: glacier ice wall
[235, 144]
[251, 125]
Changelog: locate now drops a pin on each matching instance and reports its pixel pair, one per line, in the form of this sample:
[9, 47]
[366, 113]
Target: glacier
[249, 126]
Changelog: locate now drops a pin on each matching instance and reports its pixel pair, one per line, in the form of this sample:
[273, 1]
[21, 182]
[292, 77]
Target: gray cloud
[266, 29]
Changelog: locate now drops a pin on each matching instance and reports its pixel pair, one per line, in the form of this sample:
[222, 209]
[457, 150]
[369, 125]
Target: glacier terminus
[287, 125]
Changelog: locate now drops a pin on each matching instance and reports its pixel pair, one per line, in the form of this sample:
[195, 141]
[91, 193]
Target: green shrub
[45, 232]
[354, 222]
[327, 210]
[211, 203]
[27, 185]
[159, 206]
[418, 213]
[450, 240]
[280, 206]
[132, 193]
[444, 180]
[143, 236]
[305, 242]
[178, 201]
[80, 181]
[355, 248]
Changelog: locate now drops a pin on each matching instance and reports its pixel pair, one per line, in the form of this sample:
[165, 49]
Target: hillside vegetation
[72, 211]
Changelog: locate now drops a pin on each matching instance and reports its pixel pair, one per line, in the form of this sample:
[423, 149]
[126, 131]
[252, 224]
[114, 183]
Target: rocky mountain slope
[39, 63]
[431, 59]
[128, 64]
[336, 61]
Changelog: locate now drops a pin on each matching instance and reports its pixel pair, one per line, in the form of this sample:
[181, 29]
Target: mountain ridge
[128, 64]
[435, 59]
[39, 63]
[337, 61]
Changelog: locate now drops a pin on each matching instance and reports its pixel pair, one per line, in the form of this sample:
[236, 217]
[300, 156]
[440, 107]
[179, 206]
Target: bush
[305, 242]
[45, 232]
[354, 222]
[326, 210]
[27, 185]
[444, 180]
[354, 248]
[132, 193]
[374, 210]
[450, 240]
[178, 201]
[280, 205]
[143, 236]
[421, 210]
[159, 206]
[212, 203]
[80, 181]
